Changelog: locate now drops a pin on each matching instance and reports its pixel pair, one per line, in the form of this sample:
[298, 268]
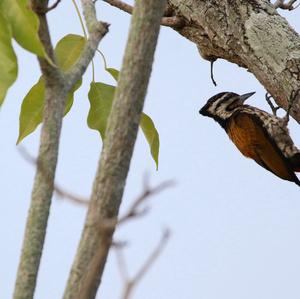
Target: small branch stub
[285, 5]
[168, 20]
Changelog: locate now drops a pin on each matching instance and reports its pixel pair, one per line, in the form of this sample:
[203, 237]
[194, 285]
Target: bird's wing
[253, 140]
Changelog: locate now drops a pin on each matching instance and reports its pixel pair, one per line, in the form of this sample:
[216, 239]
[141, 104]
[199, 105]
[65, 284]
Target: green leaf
[24, 24]
[114, 73]
[101, 97]
[67, 52]
[8, 59]
[33, 105]
[151, 135]
[32, 109]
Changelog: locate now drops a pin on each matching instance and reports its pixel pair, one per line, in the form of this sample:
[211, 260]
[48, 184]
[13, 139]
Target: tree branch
[131, 283]
[106, 226]
[60, 192]
[287, 6]
[169, 21]
[97, 30]
[57, 86]
[118, 146]
[250, 34]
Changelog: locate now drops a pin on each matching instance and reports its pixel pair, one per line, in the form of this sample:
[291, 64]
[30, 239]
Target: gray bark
[118, 146]
[250, 34]
[57, 85]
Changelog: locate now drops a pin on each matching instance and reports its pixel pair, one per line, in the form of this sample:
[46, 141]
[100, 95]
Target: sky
[234, 226]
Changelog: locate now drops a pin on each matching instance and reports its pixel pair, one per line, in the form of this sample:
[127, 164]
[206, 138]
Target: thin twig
[287, 6]
[105, 230]
[169, 21]
[53, 6]
[58, 190]
[131, 283]
[135, 211]
[42, 9]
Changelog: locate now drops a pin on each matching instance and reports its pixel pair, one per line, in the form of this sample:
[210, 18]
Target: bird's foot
[273, 108]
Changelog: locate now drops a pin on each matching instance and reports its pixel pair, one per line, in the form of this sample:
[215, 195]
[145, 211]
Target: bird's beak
[203, 110]
[245, 96]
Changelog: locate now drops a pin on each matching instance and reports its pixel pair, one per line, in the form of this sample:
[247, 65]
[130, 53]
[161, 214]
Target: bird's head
[221, 106]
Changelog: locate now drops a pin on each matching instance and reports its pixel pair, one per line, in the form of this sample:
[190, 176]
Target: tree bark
[250, 34]
[57, 86]
[118, 147]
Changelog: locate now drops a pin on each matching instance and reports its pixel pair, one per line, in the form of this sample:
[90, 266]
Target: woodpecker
[257, 134]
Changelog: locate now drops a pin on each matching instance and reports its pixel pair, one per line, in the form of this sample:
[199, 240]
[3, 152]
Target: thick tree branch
[118, 146]
[57, 86]
[251, 34]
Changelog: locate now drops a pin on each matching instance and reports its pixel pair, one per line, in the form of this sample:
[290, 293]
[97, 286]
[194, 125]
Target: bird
[257, 134]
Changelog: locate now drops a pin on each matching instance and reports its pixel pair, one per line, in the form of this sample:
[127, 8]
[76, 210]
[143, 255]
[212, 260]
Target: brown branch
[41, 9]
[53, 6]
[169, 21]
[105, 230]
[131, 283]
[134, 210]
[61, 192]
[287, 6]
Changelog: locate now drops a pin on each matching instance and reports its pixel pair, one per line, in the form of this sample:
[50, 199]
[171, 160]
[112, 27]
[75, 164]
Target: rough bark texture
[57, 85]
[117, 151]
[249, 33]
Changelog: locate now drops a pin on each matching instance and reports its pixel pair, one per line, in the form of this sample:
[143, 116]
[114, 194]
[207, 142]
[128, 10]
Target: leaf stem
[80, 18]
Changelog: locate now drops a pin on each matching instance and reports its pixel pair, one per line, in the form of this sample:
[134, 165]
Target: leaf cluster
[21, 24]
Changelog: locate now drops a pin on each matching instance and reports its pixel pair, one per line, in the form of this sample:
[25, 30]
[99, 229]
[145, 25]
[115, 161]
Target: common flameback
[257, 134]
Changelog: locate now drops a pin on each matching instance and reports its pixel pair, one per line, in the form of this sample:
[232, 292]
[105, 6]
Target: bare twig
[287, 6]
[134, 211]
[169, 21]
[53, 6]
[41, 9]
[105, 230]
[61, 192]
[131, 283]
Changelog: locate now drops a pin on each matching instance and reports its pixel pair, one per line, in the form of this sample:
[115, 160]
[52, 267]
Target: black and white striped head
[221, 106]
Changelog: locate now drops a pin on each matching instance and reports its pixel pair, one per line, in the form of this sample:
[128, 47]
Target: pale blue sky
[235, 227]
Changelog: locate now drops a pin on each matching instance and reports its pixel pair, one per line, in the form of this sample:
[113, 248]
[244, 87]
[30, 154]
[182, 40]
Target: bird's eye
[233, 105]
